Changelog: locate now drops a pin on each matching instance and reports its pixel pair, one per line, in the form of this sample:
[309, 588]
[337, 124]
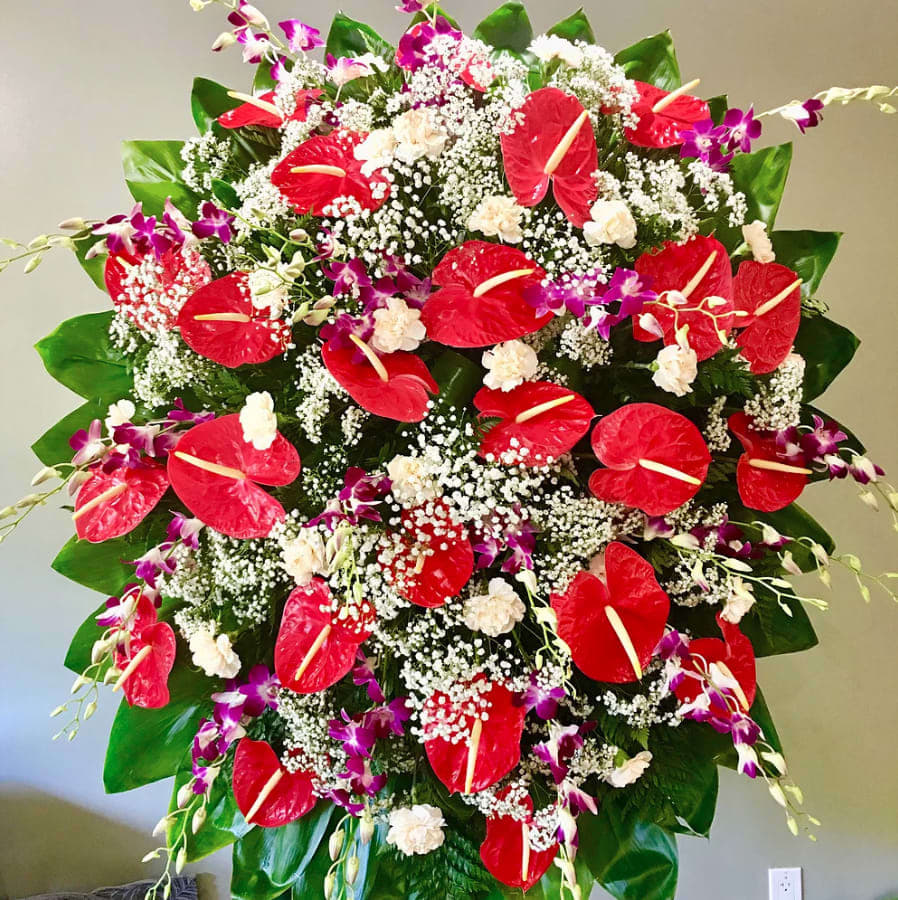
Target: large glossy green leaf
[267, 861]
[347, 37]
[807, 253]
[575, 27]
[146, 745]
[100, 567]
[458, 377]
[631, 859]
[153, 173]
[760, 712]
[94, 266]
[80, 355]
[208, 100]
[827, 348]
[506, 28]
[52, 446]
[653, 60]
[772, 631]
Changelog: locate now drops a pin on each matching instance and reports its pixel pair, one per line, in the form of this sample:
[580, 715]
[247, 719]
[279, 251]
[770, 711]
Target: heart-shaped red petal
[266, 793]
[434, 560]
[700, 271]
[214, 471]
[330, 180]
[404, 396]
[766, 480]
[538, 420]
[151, 292]
[491, 748]
[553, 140]
[664, 128]
[770, 294]
[613, 628]
[481, 298]
[253, 114]
[507, 854]
[149, 660]
[734, 651]
[315, 648]
[220, 322]
[656, 458]
[112, 504]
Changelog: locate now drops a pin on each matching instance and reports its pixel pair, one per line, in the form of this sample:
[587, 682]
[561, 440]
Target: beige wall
[76, 78]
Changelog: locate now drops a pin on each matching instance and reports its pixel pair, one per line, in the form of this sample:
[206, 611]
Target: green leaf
[631, 859]
[827, 348]
[772, 631]
[80, 355]
[267, 861]
[794, 521]
[807, 253]
[575, 27]
[99, 567]
[760, 712]
[506, 28]
[718, 107]
[347, 37]
[94, 266]
[263, 80]
[653, 60]
[52, 446]
[208, 100]
[432, 10]
[458, 377]
[224, 822]
[153, 173]
[147, 745]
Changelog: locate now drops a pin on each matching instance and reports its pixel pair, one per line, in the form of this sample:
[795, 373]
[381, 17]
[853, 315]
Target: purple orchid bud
[357, 739]
[864, 470]
[363, 674]
[804, 115]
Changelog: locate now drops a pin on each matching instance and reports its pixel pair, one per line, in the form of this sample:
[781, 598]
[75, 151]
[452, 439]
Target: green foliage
[52, 446]
[506, 28]
[653, 60]
[80, 355]
[146, 745]
[772, 631]
[95, 266]
[575, 27]
[630, 858]
[209, 100]
[718, 107]
[794, 522]
[458, 377]
[760, 712]
[827, 348]
[807, 253]
[432, 10]
[347, 37]
[267, 861]
[723, 375]
[153, 174]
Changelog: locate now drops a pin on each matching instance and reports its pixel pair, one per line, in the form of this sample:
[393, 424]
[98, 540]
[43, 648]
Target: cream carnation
[416, 830]
[509, 365]
[495, 612]
[397, 326]
[612, 223]
[498, 216]
[630, 770]
[418, 135]
[547, 47]
[214, 655]
[258, 421]
[755, 235]
[677, 368]
[376, 151]
[412, 483]
[304, 556]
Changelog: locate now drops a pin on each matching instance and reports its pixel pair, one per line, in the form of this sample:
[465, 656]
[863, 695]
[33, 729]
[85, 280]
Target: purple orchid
[743, 128]
[155, 562]
[118, 231]
[824, 438]
[706, 141]
[139, 437]
[301, 37]
[414, 50]
[540, 699]
[181, 415]
[357, 738]
[556, 752]
[214, 222]
[805, 115]
[361, 779]
[410, 6]
[119, 610]
[88, 445]
[864, 470]
[185, 530]
[673, 645]
[342, 798]
[521, 541]
[361, 493]
[388, 719]
[348, 277]
[260, 691]
[363, 673]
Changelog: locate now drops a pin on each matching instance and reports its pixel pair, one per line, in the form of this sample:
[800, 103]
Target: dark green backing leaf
[95, 266]
[347, 37]
[807, 253]
[506, 28]
[575, 27]
[153, 173]
[653, 60]
[827, 348]
[208, 100]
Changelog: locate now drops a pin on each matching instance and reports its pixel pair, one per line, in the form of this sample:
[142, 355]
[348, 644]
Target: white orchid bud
[869, 498]
[335, 844]
[89, 710]
[366, 829]
[45, 474]
[777, 793]
[74, 224]
[222, 42]
[149, 857]
[299, 235]
[329, 883]
[7, 511]
[352, 870]
[254, 17]
[181, 860]
[161, 826]
[185, 792]
[28, 500]
[789, 564]
[79, 683]
[198, 820]
[527, 577]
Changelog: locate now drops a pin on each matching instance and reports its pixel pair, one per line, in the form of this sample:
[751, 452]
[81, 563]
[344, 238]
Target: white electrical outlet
[785, 884]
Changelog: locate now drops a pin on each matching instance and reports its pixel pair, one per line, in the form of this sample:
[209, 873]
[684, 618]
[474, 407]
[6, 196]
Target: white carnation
[397, 326]
[258, 421]
[304, 556]
[214, 655]
[495, 612]
[498, 216]
[416, 830]
[630, 770]
[412, 482]
[418, 135]
[508, 365]
[547, 47]
[612, 223]
[377, 150]
[755, 235]
[677, 368]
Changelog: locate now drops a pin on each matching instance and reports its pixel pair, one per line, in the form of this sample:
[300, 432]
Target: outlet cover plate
[784, 884]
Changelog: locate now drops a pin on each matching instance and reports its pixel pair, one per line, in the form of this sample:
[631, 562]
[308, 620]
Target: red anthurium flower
[664, 116]
[538, 420]
[152, 295]
[217, 474]
[316, 646]
[147, 659]
[656, 458]
[396, 385]
[220, 322]
[481, 297]
[734, 657]
[262, 112]
[492, 745]
[695, 287]
[266, 793]
[613, 626]
[506, 850]
[766, 480]
[768, 304]
[110, 504]
[434, 558]
[553, 141]
[323, 177]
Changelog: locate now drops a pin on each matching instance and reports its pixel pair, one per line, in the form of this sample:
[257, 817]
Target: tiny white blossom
[258, 421]
[509, 364]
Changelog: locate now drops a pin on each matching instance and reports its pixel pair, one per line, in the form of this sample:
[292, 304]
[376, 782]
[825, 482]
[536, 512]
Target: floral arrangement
[439, 455]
